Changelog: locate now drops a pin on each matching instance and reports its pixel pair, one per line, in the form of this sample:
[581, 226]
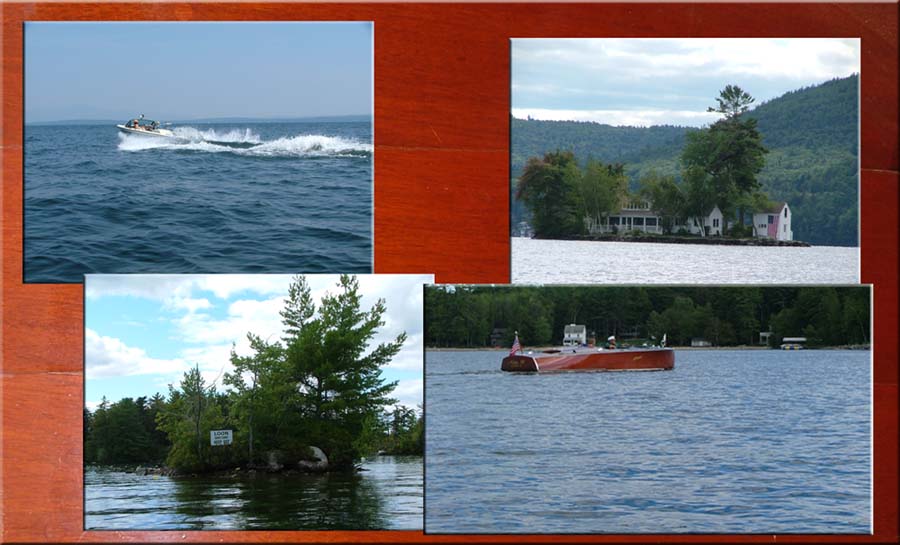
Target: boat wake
[247, 143]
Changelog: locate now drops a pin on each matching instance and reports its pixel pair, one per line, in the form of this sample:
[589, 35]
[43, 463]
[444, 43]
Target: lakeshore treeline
[320, 385]
[484, 316]
[811, 135]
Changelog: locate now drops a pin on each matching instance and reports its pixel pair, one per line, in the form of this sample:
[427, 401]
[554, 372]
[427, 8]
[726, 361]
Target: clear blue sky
[142, 332]
[197, 70]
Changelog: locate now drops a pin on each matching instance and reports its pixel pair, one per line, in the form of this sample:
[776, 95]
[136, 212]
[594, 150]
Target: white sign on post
[220, 437]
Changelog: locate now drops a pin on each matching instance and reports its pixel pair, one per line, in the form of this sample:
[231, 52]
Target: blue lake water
[241, 198]
[589, 262]
[754, 441]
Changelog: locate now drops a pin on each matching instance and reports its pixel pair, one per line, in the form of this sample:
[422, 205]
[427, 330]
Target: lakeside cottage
[574, 335]
[774, 223]
[638, 215]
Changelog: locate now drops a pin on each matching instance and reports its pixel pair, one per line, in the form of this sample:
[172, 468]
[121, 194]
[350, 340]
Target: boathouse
[574, 335]
[774, 222]
[793, 343]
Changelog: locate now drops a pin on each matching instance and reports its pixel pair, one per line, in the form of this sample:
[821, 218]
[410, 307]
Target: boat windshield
[140, 122]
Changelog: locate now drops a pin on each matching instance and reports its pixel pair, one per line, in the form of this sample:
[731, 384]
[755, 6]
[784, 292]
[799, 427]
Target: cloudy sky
[644, 82]
[116, 70]
[142, 332]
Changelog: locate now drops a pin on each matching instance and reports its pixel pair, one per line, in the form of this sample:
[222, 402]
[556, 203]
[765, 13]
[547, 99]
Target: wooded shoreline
[676, 239]
[738, 347]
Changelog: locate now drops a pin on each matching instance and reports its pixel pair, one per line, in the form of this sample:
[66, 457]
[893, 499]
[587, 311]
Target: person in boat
[611, 342]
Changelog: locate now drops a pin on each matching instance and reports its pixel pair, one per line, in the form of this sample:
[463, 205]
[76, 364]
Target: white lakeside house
[774, 222]
[574, 335]
[639, 216]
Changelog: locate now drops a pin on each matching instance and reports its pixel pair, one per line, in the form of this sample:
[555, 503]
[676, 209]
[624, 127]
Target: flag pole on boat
[516, 346]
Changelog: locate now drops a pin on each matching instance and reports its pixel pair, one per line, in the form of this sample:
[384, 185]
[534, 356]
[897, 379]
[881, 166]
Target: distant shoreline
[677, 239]
[739, 347]
[353, 118]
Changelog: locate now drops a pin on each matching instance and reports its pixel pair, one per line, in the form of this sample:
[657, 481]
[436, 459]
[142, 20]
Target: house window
[715, 222]
[614, 220]
[785, 211]
[639, 221]
[771, 219]
[651, 222]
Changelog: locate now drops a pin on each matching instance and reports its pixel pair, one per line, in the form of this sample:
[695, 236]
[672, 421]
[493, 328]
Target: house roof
[774, 209]
[574, 329]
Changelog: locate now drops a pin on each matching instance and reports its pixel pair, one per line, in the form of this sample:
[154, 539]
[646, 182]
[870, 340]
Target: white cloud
[260, 317]
[201, 334]
[110, 357]
[410, 356]
[167, 287]
[647, 58]
[634, 81]
[409, 392]
[188, 304]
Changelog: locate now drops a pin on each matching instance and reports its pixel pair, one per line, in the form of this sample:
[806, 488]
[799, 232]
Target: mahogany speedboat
[591, 359]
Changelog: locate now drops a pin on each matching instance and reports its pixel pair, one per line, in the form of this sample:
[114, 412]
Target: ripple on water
[587, 262]
[714, 446]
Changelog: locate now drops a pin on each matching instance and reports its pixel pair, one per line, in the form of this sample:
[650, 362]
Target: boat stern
[519, 363]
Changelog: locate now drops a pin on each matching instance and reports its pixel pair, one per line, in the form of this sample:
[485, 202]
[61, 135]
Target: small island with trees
[708, 191]
[313, 401]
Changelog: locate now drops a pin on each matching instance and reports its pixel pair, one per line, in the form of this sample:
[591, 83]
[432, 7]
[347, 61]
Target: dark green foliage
[811, 135]
[339, 382]
[406, 432]
[669, 201]
[564, 200]
[549, 188]
[733, 101]
[191, 413]
[725, 157]
[321, 385]
[124, 432]
[726, 316]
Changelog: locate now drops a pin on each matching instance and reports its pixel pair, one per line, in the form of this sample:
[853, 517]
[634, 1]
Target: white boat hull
[165, 133]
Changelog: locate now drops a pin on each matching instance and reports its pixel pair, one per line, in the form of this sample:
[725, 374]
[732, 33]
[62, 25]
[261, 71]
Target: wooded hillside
[812, 164]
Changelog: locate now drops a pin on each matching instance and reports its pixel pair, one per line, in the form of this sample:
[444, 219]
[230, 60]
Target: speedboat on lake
[589, 358]
[145, 128]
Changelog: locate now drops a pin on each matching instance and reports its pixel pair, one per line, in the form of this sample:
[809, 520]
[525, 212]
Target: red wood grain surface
[441, 206]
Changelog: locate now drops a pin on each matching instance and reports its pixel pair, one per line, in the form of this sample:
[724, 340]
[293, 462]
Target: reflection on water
[386, 495]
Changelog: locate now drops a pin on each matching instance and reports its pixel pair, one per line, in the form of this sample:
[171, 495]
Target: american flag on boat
[516, 346]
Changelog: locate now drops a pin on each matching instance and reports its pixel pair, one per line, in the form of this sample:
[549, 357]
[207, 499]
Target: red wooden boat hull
[650, 359]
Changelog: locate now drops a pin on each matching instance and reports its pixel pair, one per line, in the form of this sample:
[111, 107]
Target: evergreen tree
[339, 376]
[188, 418]
[260, 392]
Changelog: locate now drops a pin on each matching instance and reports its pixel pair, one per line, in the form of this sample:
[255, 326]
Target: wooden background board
[442, 102]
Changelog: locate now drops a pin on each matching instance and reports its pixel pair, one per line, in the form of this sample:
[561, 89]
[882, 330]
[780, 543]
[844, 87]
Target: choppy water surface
[387, 496]
[579, 262]
[754, 441]
[245, 198]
